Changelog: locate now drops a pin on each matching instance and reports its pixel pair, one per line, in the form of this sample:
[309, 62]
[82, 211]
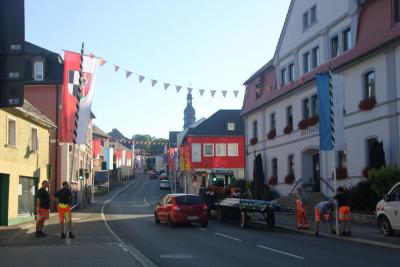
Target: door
[27, 195]
[392, 208]
[4, 192]
[316, 172]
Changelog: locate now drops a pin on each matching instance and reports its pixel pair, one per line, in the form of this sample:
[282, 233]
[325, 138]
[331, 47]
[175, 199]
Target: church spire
[189, 112]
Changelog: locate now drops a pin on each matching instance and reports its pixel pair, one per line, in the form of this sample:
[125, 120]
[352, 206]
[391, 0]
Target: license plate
[192, 217]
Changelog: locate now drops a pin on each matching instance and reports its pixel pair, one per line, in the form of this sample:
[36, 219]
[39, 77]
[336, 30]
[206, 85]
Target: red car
[181, 208]
[163, 177]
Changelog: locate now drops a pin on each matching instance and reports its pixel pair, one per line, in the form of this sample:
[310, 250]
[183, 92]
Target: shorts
[344, 213]
[64, 213]
[318, 217]
[43, 214]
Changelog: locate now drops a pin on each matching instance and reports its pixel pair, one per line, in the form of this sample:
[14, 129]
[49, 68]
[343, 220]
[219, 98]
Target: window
[274, 167]
[208, 150]
[369, 84]
[12, 133]
[34, 140]
[375, 154]
[233, 150]
[342, 159]
[396, 10]
[334, 46]
[346, 40]
[220, 150]
[273, 121]
[315, 57]
[291, 72]
[283, 76]
[395, 194]
[289, 116]
[231, 126]
[314, 105]
[306, 108]
[313, 14]
[259, 88]
[291, 164]
[305, 20]
[255, 129]
[306, 62]
[38, 70]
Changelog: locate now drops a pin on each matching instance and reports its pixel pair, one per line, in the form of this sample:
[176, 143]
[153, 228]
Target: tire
[204, 224]
[156, 220]
[384, 226]
[170, 223]
[220, 215]
[244, 219]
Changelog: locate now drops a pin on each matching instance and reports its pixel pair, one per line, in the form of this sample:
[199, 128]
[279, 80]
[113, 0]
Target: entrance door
[4, 189]
[316, 172]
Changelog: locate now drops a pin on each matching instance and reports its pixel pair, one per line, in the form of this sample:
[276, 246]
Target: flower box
[288, 129]
[341, 173]
[303, 124]
[367, 103]
[273, 180]
[253, 141]
[313, 120]
[289, 179]
[272, 134]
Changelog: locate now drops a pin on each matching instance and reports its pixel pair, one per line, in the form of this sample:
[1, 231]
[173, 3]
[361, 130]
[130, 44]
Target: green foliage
[381, 180]
[269, 193]
[362, 197]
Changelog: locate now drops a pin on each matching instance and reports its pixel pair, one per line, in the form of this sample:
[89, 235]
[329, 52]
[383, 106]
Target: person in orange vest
[324, 210]
[301, 213]
[342, 199]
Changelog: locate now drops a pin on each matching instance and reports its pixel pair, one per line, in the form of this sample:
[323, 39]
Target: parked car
[164, 184]
[163, 177]
[152, 175]
[388, 211]
[181, 208]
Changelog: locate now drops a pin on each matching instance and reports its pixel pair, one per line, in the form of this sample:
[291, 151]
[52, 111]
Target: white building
[357, 39]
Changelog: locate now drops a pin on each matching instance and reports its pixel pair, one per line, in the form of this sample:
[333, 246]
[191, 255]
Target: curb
[351, 239]
[134, 252]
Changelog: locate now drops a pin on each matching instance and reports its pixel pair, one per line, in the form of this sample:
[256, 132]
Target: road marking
[176, 257]
[202, 229]
[281, 252]
[230, 237]
[145, 201]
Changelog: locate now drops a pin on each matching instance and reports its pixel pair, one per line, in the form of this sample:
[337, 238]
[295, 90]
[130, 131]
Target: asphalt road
[130, 216]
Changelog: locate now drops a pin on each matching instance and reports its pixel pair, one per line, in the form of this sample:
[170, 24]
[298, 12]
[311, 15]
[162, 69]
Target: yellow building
[24, 161]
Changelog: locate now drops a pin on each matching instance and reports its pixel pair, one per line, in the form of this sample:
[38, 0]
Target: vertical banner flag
[96, 148]
[70, 91]
[109, 158]
[338, 107]
[325, 129]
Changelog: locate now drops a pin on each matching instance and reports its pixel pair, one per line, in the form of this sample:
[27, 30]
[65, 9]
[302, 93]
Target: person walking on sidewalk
[301, 205]
[324, 211]
[63, 199]
[42, 208]
[342, 199]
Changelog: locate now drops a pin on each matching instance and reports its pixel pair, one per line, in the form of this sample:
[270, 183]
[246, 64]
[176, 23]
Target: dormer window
[231, 126]
[38, 69]
[259, 88]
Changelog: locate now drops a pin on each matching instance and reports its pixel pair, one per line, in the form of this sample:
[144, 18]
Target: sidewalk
[361, 233]
[94, 244]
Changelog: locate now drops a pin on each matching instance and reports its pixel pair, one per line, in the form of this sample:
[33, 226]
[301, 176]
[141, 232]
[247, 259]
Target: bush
[273, 180]
[269, 193]
[381, 180]
[362, 197]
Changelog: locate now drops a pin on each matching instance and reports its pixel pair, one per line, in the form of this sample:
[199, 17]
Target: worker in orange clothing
[324, 211]
[301, 213]
[342, 199]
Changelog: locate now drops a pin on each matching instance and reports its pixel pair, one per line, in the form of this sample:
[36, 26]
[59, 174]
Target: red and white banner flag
[70, 91]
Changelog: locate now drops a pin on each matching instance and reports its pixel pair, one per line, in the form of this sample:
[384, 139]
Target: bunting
[153, 82]
[116, 68]
[128, 73]
[166, 85]
[213, 92]
[201, 91]
[178, 88]
[236, 92]
[141, 78]
[224, 93]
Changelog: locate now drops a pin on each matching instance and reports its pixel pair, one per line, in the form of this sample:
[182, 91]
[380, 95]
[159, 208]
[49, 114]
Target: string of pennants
[133, 142]
[166, 85]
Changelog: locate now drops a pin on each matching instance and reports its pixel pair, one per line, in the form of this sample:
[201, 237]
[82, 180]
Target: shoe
[71, 235]
[43, 233]
[316, 234]
[40, 234]
[62, 236]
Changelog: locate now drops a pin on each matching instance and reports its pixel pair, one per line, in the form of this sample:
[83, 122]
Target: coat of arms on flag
[73, 83]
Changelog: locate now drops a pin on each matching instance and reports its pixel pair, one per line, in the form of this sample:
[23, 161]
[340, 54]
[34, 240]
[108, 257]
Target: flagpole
[334, 188]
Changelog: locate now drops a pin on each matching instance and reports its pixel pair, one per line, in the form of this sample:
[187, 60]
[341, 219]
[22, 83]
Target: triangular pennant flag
[236, 92]
[128, 73]
[201, 91]
[213, 92]
[141, 78]
[189, 90]
[166, 85]
[116, 68]
[224, 93]
[153, 82]
[178, 88]
[102, 62]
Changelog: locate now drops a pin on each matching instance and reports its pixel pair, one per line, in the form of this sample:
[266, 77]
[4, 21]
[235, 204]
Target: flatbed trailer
[247, 210]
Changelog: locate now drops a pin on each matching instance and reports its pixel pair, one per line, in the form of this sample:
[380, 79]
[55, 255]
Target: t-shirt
[342, 199]
[63, 196]
[44, 198]
[324, 206]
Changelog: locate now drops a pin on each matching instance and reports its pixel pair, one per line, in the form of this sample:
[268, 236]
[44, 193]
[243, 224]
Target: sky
[202, 44]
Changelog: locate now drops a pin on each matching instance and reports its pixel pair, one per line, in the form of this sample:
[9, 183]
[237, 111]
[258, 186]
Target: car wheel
[243, 220]
[204, 225]
[385, 227]
[220, 215]
[170, 223]
[156, 220]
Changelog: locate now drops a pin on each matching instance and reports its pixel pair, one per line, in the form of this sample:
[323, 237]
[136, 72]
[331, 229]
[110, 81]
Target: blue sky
[208, 44]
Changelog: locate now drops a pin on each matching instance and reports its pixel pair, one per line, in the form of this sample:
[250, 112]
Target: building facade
[281, 103]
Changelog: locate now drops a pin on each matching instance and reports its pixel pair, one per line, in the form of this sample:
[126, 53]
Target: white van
[388, 211]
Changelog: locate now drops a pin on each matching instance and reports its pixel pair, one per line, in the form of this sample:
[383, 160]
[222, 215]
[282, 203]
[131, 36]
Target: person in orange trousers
[342, 199]
[301, 213]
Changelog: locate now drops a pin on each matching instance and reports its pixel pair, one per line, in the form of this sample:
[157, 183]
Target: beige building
[24, 161]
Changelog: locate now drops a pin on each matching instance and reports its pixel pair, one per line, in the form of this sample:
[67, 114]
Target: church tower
[189, 113]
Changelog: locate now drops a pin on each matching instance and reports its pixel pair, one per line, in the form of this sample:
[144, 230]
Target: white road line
[281, 252]
[202, 229]
[230, 237]
[145, 201]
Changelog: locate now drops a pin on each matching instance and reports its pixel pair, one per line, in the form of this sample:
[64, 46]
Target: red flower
[313, 120]
[273, 180]
[367, 103]
[253, 141]
[271, 135]
[289, 179]
[303, 124]
[288, 129]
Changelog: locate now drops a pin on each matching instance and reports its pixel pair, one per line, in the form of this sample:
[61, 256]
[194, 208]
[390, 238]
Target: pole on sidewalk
[334, 192]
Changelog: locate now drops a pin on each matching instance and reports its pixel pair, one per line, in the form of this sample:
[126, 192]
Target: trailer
[247, 210]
